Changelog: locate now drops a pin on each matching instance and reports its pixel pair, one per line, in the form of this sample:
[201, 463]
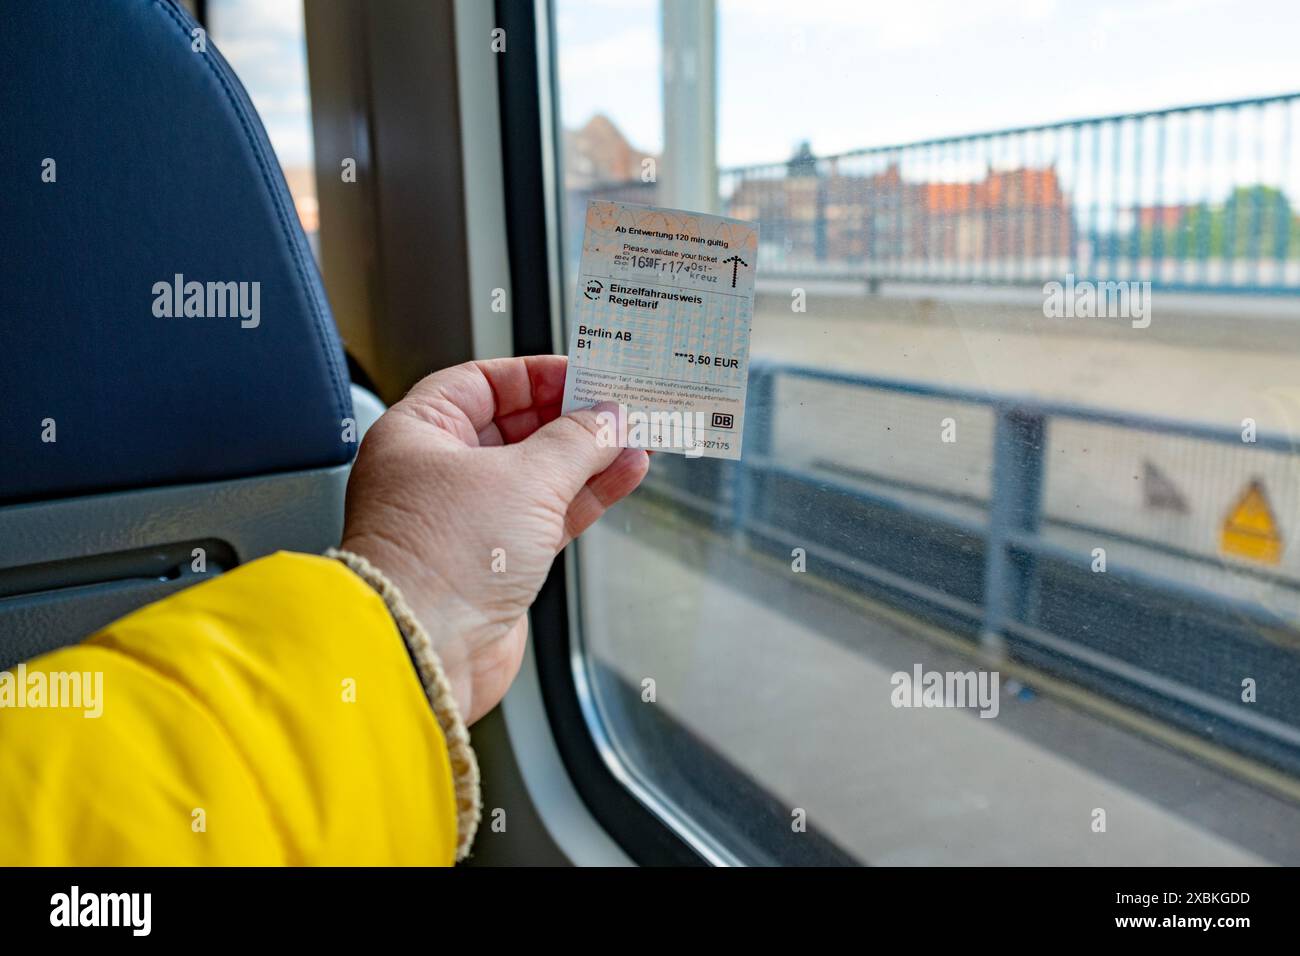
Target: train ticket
[664, 310]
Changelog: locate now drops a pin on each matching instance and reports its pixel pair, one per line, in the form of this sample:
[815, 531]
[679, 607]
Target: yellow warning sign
[1250, 531]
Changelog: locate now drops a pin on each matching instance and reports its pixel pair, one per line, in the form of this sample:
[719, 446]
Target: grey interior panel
[69, 567]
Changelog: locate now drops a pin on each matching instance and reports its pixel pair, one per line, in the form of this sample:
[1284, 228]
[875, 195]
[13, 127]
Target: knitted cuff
[464, 765]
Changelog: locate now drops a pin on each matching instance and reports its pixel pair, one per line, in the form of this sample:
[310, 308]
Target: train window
[1010, 569]
[265, 43]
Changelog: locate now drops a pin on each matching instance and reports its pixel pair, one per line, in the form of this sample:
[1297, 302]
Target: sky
[263, 41]
[848, 74]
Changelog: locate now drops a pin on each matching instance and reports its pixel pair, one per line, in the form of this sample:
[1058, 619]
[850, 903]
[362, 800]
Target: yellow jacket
[270, 716]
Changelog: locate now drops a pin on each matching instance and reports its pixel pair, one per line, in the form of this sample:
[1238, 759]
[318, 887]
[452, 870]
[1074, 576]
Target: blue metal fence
[1203, 198]
[1156, 640]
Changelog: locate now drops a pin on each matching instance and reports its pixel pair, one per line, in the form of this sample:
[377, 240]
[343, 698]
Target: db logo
[593, 289]
[723, 421]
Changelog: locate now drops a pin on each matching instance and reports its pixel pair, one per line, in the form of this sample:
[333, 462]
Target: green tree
[1254, 222]
[1257, 221]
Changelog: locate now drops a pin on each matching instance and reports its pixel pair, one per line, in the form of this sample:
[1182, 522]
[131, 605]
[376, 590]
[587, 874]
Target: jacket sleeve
[269, 716]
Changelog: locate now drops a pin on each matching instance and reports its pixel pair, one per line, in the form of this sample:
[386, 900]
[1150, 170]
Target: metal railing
[1144, 634]
[1202, 198]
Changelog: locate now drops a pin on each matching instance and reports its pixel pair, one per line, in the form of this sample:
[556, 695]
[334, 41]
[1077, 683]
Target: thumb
[574, 447]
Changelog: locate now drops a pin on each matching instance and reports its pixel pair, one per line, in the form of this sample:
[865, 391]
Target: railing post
[1014, 509]
[759, 422]
[820, 252]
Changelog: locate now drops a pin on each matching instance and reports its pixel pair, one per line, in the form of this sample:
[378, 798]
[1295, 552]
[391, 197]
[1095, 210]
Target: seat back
[175, 399]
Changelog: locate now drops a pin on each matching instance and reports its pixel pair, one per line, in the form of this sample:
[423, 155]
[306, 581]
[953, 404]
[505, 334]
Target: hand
[474, 459]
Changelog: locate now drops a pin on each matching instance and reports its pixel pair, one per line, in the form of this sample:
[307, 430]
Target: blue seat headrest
[132, 159]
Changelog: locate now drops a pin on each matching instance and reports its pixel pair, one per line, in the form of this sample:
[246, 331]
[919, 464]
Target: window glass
[265, 43]
[1010, 569]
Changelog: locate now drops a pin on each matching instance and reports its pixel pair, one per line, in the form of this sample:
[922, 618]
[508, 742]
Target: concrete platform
[793, 685]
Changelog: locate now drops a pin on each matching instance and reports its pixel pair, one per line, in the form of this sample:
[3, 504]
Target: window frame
[647, 824]
[531, 199]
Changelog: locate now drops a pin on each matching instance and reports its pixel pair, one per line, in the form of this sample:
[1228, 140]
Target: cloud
[605, 57]
[887, 26]
[255, 17]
